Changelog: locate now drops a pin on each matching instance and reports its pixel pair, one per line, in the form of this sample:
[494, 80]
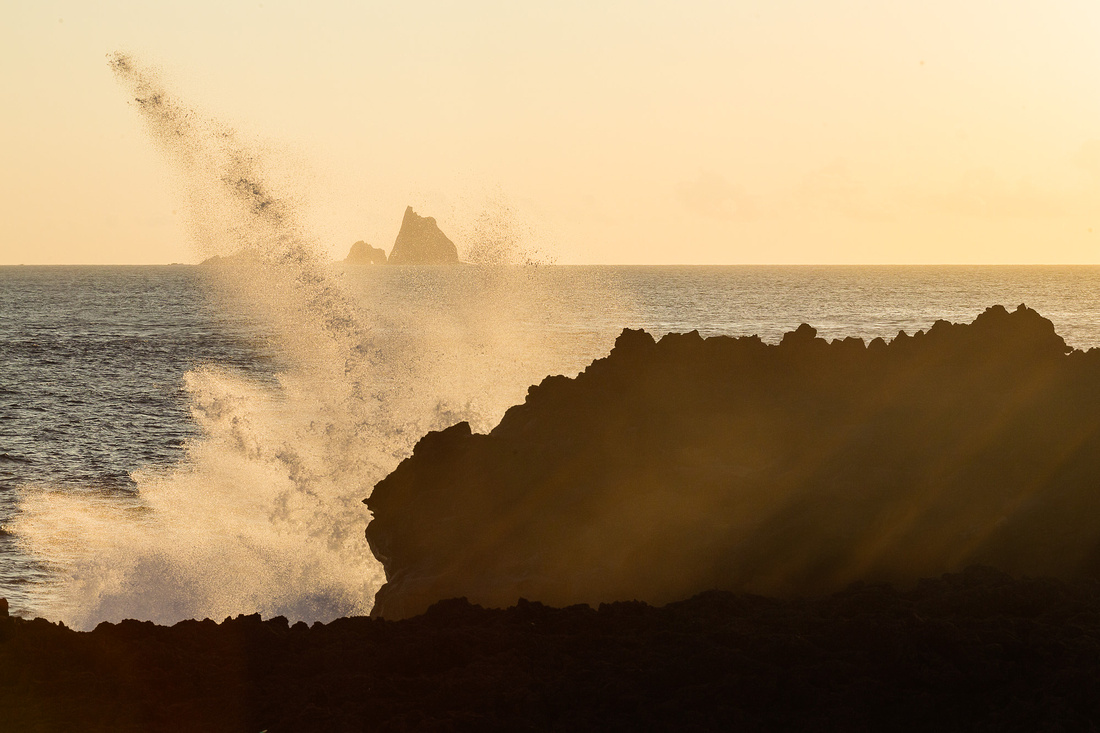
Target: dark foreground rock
[420, 242]
[968, 652]
[676, 466]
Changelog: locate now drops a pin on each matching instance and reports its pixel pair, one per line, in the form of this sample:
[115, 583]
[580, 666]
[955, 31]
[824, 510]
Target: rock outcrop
[676, 466]
[362, 253]
[420, 242]
[976, 651]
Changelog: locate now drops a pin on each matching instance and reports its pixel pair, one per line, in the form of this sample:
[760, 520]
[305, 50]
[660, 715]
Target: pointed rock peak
[420, 242]
[411, 217]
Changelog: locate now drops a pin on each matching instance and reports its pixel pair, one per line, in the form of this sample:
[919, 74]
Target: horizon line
[607, 264]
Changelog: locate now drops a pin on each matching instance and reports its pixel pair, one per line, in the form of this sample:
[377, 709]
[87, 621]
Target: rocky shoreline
[972, 651]
[780, 474]
[677, 465]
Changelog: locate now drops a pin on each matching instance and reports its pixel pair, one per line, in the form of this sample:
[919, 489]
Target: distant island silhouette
[419, 242]
[362, 253]
[237, 259]
[677, 466]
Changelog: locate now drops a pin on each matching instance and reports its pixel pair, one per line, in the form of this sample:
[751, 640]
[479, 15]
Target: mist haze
[649, 133]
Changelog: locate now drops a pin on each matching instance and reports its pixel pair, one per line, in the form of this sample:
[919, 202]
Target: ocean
[189, 441]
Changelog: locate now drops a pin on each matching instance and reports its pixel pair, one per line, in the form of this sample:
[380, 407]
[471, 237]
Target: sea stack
[420, 242]
[362, 253]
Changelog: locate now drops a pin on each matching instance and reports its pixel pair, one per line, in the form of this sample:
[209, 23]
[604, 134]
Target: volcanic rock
[674, 467]
[971, 651]
[420, 242]
[362, 253]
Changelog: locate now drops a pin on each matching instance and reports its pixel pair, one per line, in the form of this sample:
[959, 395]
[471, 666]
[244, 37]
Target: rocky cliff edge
[686, 464]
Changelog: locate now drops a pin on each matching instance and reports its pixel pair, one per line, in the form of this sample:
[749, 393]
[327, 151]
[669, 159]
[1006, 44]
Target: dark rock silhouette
[362, 253]
[677, 466]
[976, 650]
[420, 242]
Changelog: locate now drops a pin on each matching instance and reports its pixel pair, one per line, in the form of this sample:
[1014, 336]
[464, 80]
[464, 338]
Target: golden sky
[777, 131]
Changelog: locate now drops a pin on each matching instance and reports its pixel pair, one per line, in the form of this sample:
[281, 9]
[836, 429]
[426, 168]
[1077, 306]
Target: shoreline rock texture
[688, 464]
[420, 242]
[970, 651]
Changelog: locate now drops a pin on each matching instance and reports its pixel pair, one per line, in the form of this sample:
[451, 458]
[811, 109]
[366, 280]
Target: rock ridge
[675, 466]
[420, 242]
[977, 650]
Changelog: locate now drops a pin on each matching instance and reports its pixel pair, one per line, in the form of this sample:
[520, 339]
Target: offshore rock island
[419, 242]
[362, 253]
[682, 465]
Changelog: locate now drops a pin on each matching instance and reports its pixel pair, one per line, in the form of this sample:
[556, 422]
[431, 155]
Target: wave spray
[264, 512]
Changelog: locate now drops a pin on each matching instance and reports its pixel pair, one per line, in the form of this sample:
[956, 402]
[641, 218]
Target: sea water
[169, 450]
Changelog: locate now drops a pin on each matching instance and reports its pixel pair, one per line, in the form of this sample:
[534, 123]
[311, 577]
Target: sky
[596, 132]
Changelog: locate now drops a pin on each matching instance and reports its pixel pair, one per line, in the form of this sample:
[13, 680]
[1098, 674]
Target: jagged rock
[362, 253]
[973, 651]
[677, 466]
[420, 242]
